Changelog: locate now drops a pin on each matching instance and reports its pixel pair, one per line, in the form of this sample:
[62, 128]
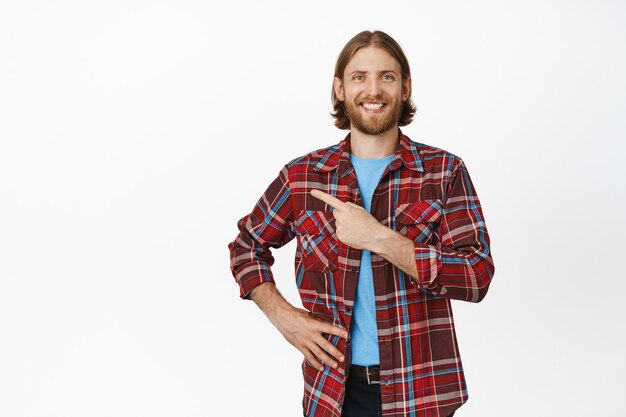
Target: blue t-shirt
[364, 329]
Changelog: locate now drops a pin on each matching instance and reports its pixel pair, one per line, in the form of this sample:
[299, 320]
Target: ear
[406, 89]
[338, 86]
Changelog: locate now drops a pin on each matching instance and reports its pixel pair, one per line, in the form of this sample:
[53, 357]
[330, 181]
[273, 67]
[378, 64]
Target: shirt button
[348, 310]
[353, 270]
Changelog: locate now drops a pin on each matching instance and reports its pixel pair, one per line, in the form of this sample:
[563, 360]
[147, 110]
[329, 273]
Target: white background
[133, 136]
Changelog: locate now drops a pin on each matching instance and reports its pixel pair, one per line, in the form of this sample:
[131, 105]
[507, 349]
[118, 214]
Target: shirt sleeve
[269, 225]
[460, 266]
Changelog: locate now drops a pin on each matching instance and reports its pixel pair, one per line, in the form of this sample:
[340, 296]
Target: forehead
[372, 59]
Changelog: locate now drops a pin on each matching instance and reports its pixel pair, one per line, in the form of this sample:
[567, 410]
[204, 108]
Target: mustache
[384, 98]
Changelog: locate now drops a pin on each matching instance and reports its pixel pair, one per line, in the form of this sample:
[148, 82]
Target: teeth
[372, 106]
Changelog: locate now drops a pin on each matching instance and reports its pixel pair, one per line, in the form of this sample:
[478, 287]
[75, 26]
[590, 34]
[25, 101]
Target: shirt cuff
[259, 275]
[428, 263]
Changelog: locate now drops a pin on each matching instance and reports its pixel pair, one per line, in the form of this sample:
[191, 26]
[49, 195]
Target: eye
[388, 77]
[357, 77]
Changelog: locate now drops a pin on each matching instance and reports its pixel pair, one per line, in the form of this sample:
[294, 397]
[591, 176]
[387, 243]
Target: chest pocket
[419, 220]
[318, 240]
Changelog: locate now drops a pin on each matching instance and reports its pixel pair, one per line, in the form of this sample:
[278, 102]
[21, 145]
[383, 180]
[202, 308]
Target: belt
[369, 373]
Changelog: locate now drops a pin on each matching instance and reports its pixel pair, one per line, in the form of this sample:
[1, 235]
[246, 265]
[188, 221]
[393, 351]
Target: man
[389, 231]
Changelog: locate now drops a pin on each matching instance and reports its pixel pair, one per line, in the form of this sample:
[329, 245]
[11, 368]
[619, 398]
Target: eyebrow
[380, 72]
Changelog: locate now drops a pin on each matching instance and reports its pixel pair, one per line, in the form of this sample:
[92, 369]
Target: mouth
[373, 106]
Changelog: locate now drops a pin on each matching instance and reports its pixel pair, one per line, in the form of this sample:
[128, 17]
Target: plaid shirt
[426, 195]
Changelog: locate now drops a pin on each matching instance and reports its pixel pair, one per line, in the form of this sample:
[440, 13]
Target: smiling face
[373, 91]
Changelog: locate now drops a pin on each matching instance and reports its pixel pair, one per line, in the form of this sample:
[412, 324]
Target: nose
[373, 87]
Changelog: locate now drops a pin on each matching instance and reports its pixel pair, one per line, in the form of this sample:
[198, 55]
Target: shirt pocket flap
[422, 211]
[315, 222]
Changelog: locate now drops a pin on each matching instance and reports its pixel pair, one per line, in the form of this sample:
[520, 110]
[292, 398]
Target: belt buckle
[367, 372]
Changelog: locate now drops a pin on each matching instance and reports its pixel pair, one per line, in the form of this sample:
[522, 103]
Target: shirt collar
[338, 156]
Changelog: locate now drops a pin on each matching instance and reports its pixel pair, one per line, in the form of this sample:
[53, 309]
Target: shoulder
[437, 158]
[312, 157]
[427, 150]
[306, 165]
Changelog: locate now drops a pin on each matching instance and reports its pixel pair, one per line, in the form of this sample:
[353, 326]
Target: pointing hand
[354, 225]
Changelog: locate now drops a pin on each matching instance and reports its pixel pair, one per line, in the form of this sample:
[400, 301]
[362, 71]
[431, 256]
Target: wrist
[279, 312]
[379, 240]
[270, 301]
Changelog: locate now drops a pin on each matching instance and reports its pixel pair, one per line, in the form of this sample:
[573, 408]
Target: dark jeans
[362, 399]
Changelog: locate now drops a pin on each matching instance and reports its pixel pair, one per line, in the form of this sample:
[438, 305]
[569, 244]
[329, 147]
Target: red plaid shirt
[426, 195]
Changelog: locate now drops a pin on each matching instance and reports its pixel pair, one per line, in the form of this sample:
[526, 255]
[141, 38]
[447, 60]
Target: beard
[374, 123]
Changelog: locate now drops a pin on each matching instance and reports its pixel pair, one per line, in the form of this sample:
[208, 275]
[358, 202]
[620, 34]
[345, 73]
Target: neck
[367, 146]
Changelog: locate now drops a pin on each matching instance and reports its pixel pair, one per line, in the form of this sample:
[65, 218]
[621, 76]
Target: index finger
[331, 329]
[327, 198]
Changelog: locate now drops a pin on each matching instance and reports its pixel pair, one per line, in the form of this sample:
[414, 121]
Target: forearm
[463, 275]
[300, 327]
[395, 248]
[270, 300]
